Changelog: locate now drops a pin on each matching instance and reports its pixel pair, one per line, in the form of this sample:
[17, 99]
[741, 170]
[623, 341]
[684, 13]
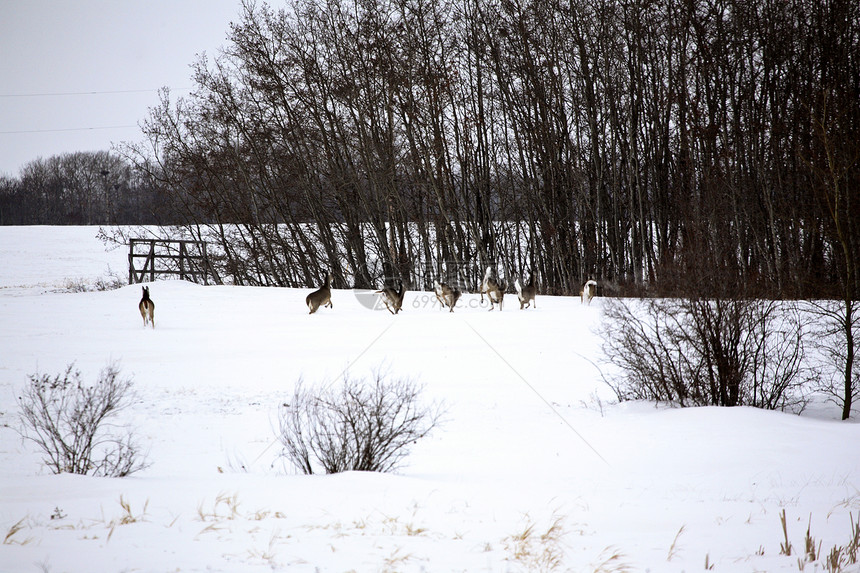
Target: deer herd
[447, 295]
[393, 298]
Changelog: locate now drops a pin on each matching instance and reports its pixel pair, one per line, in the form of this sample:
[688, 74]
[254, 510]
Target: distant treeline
[658, 146]
[83, 188]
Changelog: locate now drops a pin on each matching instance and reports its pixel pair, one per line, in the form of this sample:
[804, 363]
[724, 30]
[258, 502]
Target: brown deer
[320, 297]
[393, 299]
[447, 296]
[495, 291]
[147, 308]
[589, 290]
[527, 293]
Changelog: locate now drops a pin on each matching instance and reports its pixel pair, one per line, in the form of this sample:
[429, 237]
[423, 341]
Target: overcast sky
[79, 75]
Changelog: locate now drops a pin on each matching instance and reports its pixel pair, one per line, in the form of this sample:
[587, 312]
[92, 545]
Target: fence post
[131, 261]
[205, 265]
[182, 260]
[151, 260]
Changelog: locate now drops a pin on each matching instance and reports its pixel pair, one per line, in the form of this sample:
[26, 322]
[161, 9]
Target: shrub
[707, 352]
[73, 423]
[358, 426]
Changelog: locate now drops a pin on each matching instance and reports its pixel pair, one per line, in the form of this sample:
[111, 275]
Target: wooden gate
[188, 260]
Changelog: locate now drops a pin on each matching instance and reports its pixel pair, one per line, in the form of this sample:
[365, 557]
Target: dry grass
[537, 549]
[785, 547]
[673, 549]
[222, 502]
[13, 531]
[127, 517]
[611, 561]
[839, 559]
[396, 560]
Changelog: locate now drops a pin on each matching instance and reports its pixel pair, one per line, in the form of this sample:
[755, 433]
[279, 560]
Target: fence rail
[189, 260]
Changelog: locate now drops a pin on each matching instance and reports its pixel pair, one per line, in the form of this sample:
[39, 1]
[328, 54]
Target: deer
[320, 297]
[147, 308]
[446, 295]
[495, 291]
[393, 299]
[589, 290]
[527, 293]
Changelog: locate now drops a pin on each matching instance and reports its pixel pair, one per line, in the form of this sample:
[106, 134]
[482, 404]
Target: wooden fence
[188, 260]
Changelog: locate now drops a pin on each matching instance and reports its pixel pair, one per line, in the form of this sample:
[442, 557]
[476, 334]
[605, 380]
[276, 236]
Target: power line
[106, 92]
[66, 129]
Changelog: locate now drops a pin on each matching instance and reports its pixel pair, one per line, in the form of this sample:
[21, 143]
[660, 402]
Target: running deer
[589, 290]
[495, 291]
[527, 293]
[393, 299]
[320, 297]
[447, 296]
[147, 308]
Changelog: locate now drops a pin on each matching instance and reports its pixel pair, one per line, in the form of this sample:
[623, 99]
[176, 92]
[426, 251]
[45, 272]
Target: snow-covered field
[534, 469]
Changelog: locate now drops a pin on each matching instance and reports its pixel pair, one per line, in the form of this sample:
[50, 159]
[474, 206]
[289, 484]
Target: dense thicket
[660, 145]
[638, 142]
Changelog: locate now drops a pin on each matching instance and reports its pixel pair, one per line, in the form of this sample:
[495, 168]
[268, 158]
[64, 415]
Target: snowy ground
[534, 469]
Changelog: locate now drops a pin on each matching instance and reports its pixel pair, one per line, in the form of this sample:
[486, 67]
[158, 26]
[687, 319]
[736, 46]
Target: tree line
[659, 146]
[81, 188]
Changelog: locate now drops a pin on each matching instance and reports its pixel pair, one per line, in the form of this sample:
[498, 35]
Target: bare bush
[111, 281]
[73, 423]
[359, 426]
[642, 341]
[703, 352]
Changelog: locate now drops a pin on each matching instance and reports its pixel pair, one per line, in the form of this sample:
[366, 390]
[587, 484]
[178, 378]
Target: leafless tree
[637, 143]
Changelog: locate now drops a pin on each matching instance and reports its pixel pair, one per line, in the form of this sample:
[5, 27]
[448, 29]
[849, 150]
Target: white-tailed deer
[147, 308]
[527, 293]
[495, 291]
[447, 296]
[393, 299]
[320, 297]
[589, 290]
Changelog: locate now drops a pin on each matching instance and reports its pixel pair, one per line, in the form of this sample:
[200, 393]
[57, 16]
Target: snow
[535, 468]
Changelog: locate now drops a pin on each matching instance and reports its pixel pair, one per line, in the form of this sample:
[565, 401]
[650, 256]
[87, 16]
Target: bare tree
[836, 336]
[834, 164]
[636, 143]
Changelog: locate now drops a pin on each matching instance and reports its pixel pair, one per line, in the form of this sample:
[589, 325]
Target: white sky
[90, 48]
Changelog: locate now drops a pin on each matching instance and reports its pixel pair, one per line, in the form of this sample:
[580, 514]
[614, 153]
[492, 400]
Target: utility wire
[104, 92]
[66, 129]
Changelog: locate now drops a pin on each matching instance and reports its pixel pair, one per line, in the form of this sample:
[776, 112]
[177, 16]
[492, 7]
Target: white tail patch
[588, 292]
[446, 295]
[494, 290]
[147, 308]
[526, 294]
